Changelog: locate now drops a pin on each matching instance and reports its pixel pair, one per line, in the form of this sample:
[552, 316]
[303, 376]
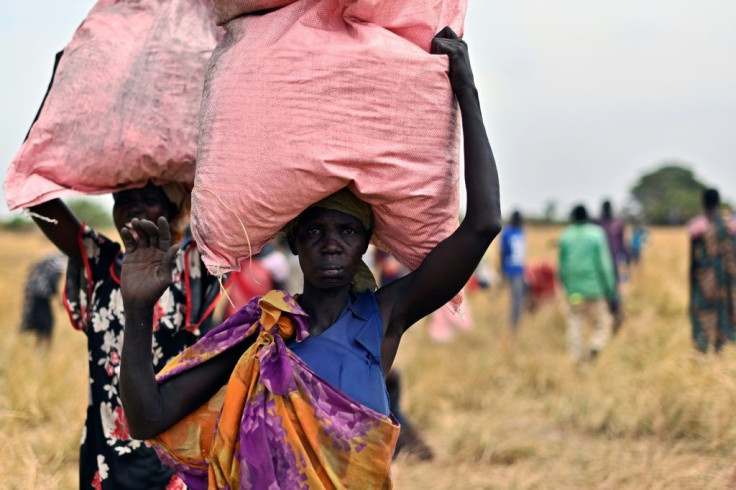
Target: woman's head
[149, 202]
[330, 238]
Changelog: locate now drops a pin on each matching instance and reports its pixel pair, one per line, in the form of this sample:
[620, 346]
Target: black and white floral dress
[109, 458]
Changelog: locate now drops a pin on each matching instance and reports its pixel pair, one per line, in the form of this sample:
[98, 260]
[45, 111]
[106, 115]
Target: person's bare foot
[412, 444]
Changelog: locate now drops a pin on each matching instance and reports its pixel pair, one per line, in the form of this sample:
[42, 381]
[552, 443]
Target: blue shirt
[513, 251]
[348, 354]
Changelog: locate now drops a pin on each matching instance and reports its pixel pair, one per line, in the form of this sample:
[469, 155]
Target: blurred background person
[513, 261]
[445, 324]
[269, 269]
[41, 286]
[389, 269]
[541, 284]
[639, 236]
[615, 229]
[587, 275]
[712, 276]
[253, 279]
[274, 260]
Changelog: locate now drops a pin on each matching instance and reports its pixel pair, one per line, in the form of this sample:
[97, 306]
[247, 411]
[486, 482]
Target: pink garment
[698, 226]
[319, 95]
[124, 104]
[446, 322]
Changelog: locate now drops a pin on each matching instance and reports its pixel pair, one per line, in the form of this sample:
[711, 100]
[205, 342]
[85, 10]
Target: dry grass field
[650, 413]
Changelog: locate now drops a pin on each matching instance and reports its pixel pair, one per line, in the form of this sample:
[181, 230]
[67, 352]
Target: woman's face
[330, 245]
[149, 203]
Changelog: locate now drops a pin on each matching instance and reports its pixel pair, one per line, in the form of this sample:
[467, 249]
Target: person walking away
[41, 285]
[587, 276]
[615, 230]
[712, 276]
[513, 261]
[639, 237]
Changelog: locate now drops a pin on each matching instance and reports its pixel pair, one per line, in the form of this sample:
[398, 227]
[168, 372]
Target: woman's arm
[450, 265]
[151, 408]
[64, 233]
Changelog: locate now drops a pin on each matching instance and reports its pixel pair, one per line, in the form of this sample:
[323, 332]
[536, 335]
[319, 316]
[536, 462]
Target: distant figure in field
[639, 237]
[389, 268]
[444, 324]
[513, 261]
[541, 284]
[615, 229]
[712, 276]
[41, 285]
[267, 270]
[276, 263]
[587, 275]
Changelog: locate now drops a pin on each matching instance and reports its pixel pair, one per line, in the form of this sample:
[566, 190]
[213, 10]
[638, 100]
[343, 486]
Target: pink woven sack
[318, 95]
[124, 104]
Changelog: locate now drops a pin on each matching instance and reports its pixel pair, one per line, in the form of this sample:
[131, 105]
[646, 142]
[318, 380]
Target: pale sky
[579, 96]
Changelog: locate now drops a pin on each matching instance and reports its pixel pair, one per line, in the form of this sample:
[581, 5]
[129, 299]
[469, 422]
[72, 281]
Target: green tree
[87, 210]
[669, 195]
[91, 213]
[17, 223]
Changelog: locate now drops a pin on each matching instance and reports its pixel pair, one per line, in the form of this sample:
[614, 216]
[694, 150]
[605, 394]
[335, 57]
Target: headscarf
[346, 202]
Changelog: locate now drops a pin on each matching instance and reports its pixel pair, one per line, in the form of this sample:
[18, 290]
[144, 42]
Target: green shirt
[586, 267]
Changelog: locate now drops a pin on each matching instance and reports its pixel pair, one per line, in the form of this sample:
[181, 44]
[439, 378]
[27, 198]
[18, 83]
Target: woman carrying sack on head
[289, 392]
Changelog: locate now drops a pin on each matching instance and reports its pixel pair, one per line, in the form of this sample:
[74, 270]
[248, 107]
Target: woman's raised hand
[149, 255]
[461, 75]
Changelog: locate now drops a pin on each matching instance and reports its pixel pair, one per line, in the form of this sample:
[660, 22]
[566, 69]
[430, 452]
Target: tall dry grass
[650, 413]
[43, 393]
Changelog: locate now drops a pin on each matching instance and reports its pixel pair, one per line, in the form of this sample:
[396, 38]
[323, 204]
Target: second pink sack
[123, 107]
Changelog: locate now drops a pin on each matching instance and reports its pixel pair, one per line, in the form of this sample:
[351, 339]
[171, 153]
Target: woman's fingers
[143, 241]
[447, 33]
[443, 41]
[151, 232]
[446, 46]
[164, 234]
[128, 239]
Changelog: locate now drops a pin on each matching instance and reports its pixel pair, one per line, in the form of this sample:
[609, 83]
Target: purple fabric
[236, 329]
[614, 229]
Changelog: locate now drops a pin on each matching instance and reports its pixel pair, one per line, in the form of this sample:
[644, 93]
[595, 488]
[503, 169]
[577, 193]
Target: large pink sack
[124, 104]
[321, 94]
